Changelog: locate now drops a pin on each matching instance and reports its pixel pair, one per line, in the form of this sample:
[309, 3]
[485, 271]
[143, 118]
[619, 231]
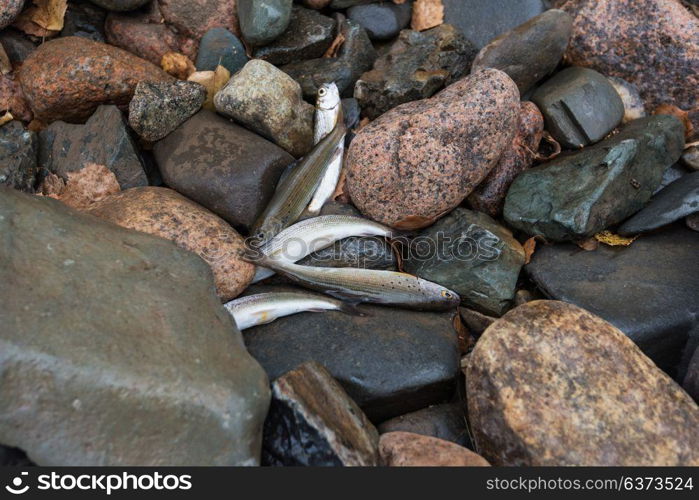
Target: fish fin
[343, 296]
[352, 309]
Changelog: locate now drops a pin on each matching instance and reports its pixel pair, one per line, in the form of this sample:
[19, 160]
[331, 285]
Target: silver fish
[263, 308]
[311, 235]
[363, 285]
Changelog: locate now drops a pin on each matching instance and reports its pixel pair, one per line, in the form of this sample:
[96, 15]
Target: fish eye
[322, 91]
[446, 294]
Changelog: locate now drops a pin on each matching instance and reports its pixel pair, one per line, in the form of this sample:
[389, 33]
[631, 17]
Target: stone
[104, 140]
[671, 174]
[382, 21]
[552, 384]
[489, 196]
[269, 102]
[421, 159]
[653, 44]
[344, 4]
[262, 21]
[12, 98]
[633, 104]
[316, 4]
[693, 222]
[18, 154]
[118, 338]
[405, 449]
[390, 362]
[313, 422]
[220, 46]
[159, 108]
[13, 457]
[222, 166]
[530, 51]
[676, 201]
[482, 21]
[576, 196]
[9, 11]
[446, 421]
[468, 252]
[84, 19]
[660, 307]
[193, 18]
[17, 46]
[416, 66]
[166, 213]
[580, 106]
[308, 37]
[691, 380]
[476, 322]
[355, 56]
[67, 78]
[120, 5]
[690, 158]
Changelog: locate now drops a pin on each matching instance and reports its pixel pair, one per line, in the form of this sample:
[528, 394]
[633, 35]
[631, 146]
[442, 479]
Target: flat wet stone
[313, 422]
[446, 421]
[18, 155]
[580, 106]
[382, 21]
[222, 166]
[120, 5]
[578, 195]
[678, 200]
[645, 289]
[552, 384]
[220, 47]
[261, 21]
[84, 19]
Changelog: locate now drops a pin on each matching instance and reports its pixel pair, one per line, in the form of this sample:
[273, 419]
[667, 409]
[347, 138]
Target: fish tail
[352, 309]
[254, 255]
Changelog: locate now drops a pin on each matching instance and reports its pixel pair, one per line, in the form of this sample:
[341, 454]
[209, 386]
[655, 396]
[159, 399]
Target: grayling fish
[263, 308]
[311, 235]
[296, 190]
[363, 285]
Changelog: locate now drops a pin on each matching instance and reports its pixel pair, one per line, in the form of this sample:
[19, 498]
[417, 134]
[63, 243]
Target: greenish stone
[576, 196]
[262, 21]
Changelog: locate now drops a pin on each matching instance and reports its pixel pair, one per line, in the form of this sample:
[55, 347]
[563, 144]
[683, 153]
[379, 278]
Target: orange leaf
[47, 14]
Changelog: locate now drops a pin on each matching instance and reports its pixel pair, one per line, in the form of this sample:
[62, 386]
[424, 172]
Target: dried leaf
[530, 247]
[427, 14]
[465, 339]
[213, 81]
[46, 15]
[335, 46]
[614, 240]
[552, 143]
[5, 64]
[178, 65]
[84, 187]
[589, 244]
[6, 118]
[341, 195]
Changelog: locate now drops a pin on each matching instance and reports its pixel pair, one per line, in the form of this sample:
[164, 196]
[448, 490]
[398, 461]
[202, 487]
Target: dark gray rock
[18, 154]
[9, 10]
[308, 37]
[222, 166]
[159, 108]
[13, 457]
[691, 379]
[578, 195]
[693, 222]
[220, 46]
[120, 5]
[262, 21]
[530, 51]
[416, 66]
[445, 421]
[313, 422]
[468, 252]
[86, 20]
[671, 174]
[382, 21]
[104, 139]
[355, 56]
[482, 21]
[16, 45]
[344, 4]
[117, 338]
[676, 201]
[580, 106]
[390, 362]
[646, 289]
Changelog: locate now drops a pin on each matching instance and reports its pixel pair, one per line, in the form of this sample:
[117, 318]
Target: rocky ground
[559, 140]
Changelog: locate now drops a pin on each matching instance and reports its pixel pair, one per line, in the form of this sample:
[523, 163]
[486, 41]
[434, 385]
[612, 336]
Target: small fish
[263, 308]
[363, 285]
[296, 190]
[311, 235]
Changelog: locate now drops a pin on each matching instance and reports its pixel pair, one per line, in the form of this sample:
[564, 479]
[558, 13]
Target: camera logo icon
[16, 487]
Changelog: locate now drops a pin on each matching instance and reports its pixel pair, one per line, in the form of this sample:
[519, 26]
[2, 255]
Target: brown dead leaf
[341, 195]
[335, 46]
[589, 244]
[465, 339]
[398, 2]
[36, 125]
[178, 65]
[614, 240]
[5, 64]
[6, 118]
[44, 18]
[427, 14]
[362, 123]
[51, 186]
[84, 187]
[543, 154]
[213, 81]
[530, 247]
[417, 221]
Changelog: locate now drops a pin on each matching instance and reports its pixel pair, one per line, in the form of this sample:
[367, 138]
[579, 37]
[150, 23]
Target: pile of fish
[279, 241]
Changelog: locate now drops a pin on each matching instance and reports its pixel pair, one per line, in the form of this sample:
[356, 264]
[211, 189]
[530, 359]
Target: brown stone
[421, 159]
[12, 98]
[195, 17]
[550, 384]
[405, 449]
[489, 196]
[67, 78]
[165, 213]
[653, 44]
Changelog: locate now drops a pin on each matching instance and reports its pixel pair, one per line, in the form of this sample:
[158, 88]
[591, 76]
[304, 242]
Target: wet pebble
[120, 5]
[446, 421]
[262, 21]
[220, 46]
[405, 449]
[382, 21]
[18, 156]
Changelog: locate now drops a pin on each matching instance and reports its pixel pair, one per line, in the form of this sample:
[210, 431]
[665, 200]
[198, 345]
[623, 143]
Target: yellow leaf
[178, 65]
[48, 14]
[7, 117]
[5, 64]
[614, 240]
[213, 81]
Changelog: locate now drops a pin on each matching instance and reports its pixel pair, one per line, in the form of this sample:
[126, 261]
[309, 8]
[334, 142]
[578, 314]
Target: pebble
[690, 158]
[67, 78]
[489, 196]
[656, 312]
[18, 156]
[262, 21]
[691, 380]
[9, 11]
[530, 51]
[90, 298]
[633, 104]
[382, 21]
[676, 201]
[220, 46]
[308, 37]
[16, 45]
[120, 5]
[421, 159]
[193, 18]
[159, 108]
[312, 422]
[416, 66]
[12, 98]
[405, 449]
[445, 421]
[86, 20]
[580, 107]
[693, 222]
[579, 195]
[269, 102]
[222, 166]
